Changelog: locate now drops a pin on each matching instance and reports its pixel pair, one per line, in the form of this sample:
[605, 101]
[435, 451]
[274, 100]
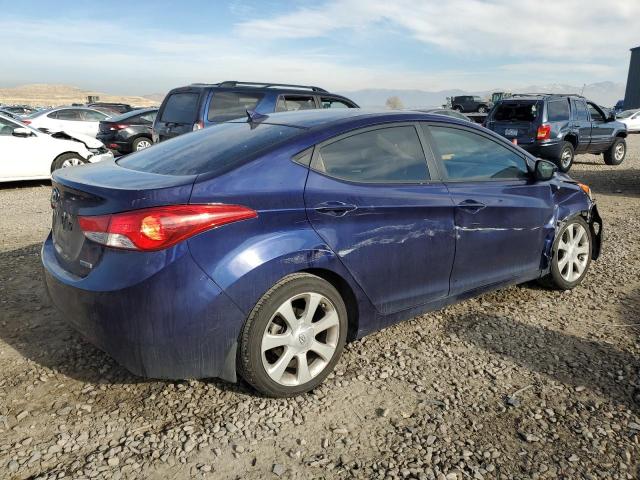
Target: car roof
[260, 88]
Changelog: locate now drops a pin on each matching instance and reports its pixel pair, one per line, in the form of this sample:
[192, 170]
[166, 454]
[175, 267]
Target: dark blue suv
[201, 105]
[558, 126]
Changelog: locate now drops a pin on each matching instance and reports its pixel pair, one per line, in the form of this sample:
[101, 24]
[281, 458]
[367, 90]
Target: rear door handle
[337, 209]
[471, 206]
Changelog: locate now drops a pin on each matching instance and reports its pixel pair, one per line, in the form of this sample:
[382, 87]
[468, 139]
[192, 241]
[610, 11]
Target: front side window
[93, 116]
[468, 156]
[596, 116]
[229, 105]
[292, 103]
[385, 155]
[334, 103]
[558, 111]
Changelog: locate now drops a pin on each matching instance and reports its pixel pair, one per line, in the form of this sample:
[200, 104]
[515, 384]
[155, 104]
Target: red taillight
[544, 132]
[26, 122]
[118, 127]
[159, 227]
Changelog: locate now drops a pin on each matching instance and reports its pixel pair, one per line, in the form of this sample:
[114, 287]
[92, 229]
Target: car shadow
[613, 181]
[31, 325]
[568, 359]
[24, 184]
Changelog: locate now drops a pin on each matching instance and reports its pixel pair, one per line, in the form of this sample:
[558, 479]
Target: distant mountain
[155, 97]
[42, 95]
[604, 93]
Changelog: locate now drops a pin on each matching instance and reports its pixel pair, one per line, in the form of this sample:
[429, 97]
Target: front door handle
[471, 206]
[337, 209]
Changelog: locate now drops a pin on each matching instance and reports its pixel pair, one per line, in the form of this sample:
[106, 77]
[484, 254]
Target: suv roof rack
[234, 83]
[539, 94]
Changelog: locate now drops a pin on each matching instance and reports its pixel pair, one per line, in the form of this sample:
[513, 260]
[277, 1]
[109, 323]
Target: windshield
[516, 112]
[627, 113]
[213, 150]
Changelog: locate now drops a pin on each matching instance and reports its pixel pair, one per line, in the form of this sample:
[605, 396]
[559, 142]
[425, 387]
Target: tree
[394, 103]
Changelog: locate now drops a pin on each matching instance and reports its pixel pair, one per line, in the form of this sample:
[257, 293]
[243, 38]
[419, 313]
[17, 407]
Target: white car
[68, 119]
[28, 154]
[631, 118]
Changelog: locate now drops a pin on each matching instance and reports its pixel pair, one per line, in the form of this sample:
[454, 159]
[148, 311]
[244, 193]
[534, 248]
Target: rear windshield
[214, 150]
[516, 112]
[181, 107]
[229, 105]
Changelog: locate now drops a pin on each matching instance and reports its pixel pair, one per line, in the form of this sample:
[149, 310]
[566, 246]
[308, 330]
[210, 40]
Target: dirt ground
[523, 383]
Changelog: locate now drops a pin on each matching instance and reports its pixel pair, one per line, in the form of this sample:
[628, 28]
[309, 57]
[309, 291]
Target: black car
[470, 104]
[113, 107]
[558, 126]
[129, 132]
[201, 105]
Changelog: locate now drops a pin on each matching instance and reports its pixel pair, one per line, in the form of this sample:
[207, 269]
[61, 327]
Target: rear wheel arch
[572, 139]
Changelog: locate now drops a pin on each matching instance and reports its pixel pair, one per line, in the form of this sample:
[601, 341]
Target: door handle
[337, 209]
[471, 206]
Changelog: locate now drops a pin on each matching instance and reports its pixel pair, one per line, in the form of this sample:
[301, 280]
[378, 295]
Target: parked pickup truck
[557, 127]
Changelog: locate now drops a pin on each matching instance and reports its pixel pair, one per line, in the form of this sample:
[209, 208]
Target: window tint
[6, 128]
[469, 156]
[230, 105]
[214, 150]
[558, 111]
[580, 110]
[334, 103]
[596, 116]
[377, 156]
[288, 103]
[91, 116]
[181, 108]
[69, 114]
[516, 112]
[149, 117]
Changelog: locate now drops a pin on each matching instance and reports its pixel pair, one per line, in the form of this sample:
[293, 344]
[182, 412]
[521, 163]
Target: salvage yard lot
[434, 397]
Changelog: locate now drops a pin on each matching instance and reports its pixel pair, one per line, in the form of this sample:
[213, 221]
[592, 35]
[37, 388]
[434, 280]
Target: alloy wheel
[71, 162]
[573, 251]
[566, 158]
[300, 339]
[142, 144]
[618, 153]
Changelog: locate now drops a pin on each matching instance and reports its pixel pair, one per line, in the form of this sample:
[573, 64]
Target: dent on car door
[502, 218]
[371, 198]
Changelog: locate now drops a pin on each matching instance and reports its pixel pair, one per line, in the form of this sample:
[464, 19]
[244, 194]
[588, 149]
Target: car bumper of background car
[101, 157]
[549, 150]
[160, 318]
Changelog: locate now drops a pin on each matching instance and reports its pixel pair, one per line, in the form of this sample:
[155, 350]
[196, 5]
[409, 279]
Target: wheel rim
[482, 110]
[300, 339]
[143, 144]
[566, 158]
[71, 162]
[573, 252]
[619, 152]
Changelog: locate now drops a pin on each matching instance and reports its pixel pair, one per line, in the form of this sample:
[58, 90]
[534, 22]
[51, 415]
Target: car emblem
[302, 338]
[55, 197]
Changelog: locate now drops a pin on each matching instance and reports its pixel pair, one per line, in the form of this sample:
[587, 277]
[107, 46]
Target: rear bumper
[112, 142]
[550, 150]
[101, 158]
[174, 323]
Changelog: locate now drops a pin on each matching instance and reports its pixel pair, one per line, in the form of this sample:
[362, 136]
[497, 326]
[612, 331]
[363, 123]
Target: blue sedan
[260, 246]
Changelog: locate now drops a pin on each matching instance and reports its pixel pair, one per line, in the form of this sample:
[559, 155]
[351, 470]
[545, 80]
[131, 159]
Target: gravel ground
[523, 383]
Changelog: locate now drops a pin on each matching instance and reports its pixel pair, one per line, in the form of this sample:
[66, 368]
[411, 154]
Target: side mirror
[21, 132]
[544, 170]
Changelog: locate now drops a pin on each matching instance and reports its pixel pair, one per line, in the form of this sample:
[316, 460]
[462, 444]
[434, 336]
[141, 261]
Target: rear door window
[70, 114]
[516, 112]
[181, 107]
[385, 155]
[229, 105]
[558, 111]
[292, 103]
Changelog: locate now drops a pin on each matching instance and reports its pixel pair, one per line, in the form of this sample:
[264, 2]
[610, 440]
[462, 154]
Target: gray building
[632, 94]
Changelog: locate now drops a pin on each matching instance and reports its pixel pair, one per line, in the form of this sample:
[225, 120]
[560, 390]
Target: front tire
[67, 160]
[482, 109]
[565, 158]
[571, 256]
[293, 337]
[616, 152]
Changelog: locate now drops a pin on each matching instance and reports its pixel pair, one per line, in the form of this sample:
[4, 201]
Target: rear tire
[67, 160]
[457, 108]
[565, 158]
[141, 143]
[571, 256]
[616, 153]
[285, 348]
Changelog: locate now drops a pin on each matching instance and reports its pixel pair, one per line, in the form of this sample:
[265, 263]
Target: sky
[141, 47]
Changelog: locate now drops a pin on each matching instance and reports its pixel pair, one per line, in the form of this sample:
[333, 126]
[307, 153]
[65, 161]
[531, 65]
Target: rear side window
[558, 111]
[229, 105]
[387, 155]
[467, 156]
[216, 150]
[516, 112]
[292, 103]
[181, 107]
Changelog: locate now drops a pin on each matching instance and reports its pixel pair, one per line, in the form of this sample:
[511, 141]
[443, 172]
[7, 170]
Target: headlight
[586, 189]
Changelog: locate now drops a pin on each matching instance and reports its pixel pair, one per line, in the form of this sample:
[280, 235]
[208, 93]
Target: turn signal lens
[159, 227]
[585, 189]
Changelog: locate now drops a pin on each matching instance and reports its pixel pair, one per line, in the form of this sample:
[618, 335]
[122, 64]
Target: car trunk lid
[99, 189]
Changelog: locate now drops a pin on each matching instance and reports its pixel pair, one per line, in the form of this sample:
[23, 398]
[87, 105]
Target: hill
[53, 95]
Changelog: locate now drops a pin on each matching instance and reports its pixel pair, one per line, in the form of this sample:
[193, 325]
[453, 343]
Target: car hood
[89, 142]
